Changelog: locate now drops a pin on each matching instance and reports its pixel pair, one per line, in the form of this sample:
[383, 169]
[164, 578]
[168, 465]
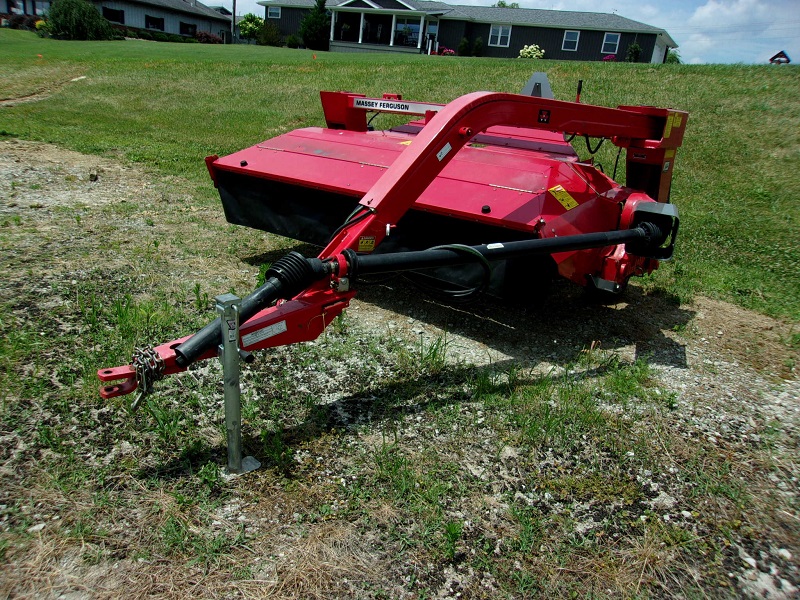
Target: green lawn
[169, 105]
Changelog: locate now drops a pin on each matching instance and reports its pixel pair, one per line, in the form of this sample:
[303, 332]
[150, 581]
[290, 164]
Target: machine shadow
[551, 326]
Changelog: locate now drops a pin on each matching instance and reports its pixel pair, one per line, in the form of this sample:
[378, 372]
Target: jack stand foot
[249, 463]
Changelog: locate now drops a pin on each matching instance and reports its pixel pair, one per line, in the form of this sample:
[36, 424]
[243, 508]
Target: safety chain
[149, 367]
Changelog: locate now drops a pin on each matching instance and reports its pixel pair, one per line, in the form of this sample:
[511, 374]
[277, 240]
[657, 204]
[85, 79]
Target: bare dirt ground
[733, 373]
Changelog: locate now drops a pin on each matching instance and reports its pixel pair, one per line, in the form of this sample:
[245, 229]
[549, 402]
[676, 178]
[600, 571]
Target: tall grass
[169, 105]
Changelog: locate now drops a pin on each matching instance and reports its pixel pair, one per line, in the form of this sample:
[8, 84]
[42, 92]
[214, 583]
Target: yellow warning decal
[563, 197]
[668, 127]
[366, 244]
[406, 143]
[676, 120]
[669, 154]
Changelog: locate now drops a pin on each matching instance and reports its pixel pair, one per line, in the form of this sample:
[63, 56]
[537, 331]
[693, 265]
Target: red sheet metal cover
[512, 182]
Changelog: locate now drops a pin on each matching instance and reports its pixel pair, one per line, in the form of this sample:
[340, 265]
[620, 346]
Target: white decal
[444, 151]
[399, 106]
[263, 334]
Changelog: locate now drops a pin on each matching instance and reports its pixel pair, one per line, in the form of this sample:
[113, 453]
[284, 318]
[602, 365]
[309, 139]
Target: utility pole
[233, 24]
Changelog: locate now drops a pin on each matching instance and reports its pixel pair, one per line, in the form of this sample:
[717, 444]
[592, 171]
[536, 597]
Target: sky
[707, 31]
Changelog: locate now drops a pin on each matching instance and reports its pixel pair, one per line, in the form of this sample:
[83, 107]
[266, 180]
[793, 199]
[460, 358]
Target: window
[115, 16]
[153, 23]
[41, 7]
[273, 12]
[406, 32]
[188, 29]
[500, 35]
[610, 43]
[570, 42]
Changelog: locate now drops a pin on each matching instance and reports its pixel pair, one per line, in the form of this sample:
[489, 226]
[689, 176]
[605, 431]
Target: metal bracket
[230, 354]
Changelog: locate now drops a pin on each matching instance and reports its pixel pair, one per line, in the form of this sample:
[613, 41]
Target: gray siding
[451, 32]
[135, 17]
[548, 39]
[290, 20]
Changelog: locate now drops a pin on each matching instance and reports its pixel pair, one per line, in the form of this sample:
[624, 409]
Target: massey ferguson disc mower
[484, 194]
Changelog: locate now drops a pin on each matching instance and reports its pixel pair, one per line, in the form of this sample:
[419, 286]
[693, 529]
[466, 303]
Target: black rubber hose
[372, 264]
[286, 278]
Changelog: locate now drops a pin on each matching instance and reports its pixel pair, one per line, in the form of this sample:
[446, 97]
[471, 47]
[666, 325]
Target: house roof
[191, 7]
[780, 58]
[220, 9]
[560, 19]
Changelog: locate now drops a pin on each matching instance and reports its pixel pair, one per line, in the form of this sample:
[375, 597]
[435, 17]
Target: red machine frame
[650, 135]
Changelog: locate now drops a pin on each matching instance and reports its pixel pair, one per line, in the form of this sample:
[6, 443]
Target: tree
[77, 20]
[315, 27]
[249, 26]
[673, 58]
[504, 4]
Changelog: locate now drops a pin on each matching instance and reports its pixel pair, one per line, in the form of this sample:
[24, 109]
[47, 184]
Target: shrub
[445, 51]
[160, 37]
[77, 20]
[293, 41]
[16, 22]
[175, 38]
[610, 58]
[463, 47]
[190, 40]
[205, 37]
[270, 35]
[533, 51]
[145, 35]
[477, 48]
[130, 33]
[634, 52]
[315, 27]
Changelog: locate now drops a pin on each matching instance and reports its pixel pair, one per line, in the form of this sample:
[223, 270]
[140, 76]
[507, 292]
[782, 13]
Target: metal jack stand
[230, 354]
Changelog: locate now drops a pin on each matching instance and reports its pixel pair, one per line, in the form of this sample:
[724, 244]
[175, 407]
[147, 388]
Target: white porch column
[394, 28]
[421, 31]
[333, 22]
[361, 29]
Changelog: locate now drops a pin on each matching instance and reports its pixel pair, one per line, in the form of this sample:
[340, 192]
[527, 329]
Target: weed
[200, 299]
[168, 420]
[452, 533]
[393, 470]
[277, 452]
[530, 533]
[175, 535]
[209, 475]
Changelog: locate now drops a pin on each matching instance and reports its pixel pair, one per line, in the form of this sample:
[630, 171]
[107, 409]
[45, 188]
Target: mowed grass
[391, 468]
[168, 106]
